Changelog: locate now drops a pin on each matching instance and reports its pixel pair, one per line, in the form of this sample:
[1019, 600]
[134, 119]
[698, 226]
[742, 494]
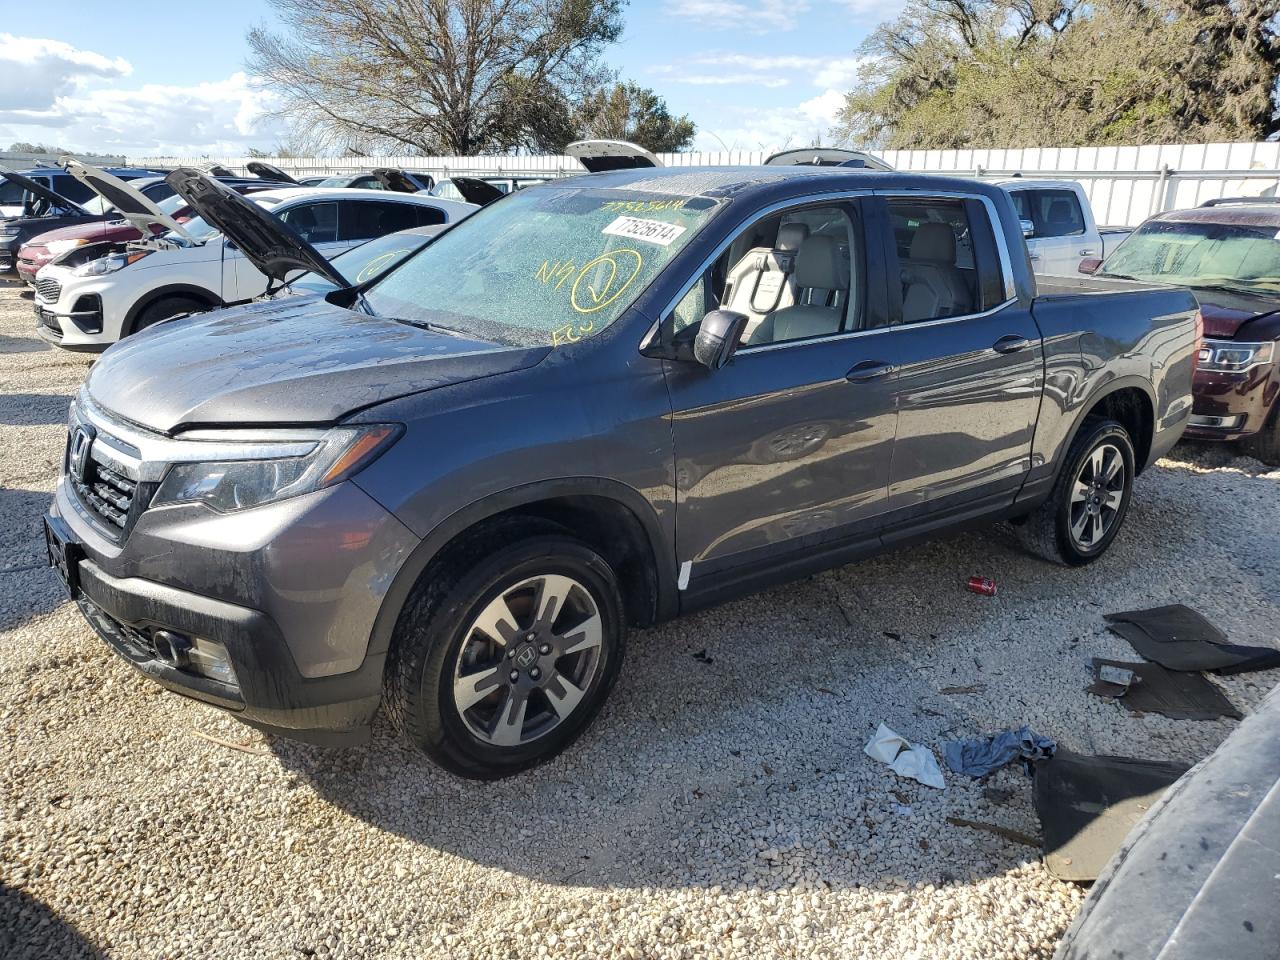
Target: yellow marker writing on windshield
[602, 280]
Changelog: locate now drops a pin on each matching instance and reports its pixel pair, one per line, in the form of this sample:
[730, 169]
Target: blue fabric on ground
[977, 758]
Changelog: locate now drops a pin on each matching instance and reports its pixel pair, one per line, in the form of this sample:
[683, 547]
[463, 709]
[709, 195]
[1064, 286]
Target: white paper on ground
[906, 759]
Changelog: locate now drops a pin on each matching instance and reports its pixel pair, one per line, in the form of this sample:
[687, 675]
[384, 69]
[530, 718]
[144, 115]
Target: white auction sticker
[651, 231]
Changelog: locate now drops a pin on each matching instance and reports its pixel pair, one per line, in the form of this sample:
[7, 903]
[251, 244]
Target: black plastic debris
[1088, 805]
[1153, 689]
[1178, 638]
[1199, 878]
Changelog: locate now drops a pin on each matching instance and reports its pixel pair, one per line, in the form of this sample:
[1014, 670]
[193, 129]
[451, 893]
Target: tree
[1012, 73]
[436, 76]
[627, 111]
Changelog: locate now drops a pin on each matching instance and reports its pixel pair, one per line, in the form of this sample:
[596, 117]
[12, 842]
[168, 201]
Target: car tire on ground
[166, 308]
[1265, 444]
[1090, 498]
[501, 665]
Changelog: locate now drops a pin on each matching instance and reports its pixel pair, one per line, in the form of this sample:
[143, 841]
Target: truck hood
[268, 243]
[283, 362]
[1225, 312]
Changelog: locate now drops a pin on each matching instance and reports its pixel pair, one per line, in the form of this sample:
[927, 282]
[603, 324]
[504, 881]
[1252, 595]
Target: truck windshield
[548, 266]
[1235, 256]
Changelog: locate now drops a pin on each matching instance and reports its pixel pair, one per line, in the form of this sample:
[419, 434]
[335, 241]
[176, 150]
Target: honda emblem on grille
[78, 461]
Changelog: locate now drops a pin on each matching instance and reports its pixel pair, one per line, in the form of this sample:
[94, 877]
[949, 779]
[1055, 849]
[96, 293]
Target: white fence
[1125, 184]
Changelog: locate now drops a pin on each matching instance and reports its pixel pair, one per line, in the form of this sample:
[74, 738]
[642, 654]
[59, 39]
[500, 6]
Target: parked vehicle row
[1228, 253]
[95, 294]
[447, 490]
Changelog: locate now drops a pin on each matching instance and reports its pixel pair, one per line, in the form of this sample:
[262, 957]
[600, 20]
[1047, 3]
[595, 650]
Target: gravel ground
[719, 807]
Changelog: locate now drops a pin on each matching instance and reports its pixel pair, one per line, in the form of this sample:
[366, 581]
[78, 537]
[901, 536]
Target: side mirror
[1089, 265]
[1028, 228]
[718, 337]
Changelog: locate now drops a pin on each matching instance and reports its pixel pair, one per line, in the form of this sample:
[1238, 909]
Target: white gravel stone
[720, 809]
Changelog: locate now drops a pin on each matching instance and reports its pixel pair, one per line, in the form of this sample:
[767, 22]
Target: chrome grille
[48, 289]
[100, 482]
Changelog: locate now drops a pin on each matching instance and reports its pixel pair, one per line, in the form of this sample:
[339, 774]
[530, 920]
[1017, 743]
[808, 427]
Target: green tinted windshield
[545, 266]
[1201, 254]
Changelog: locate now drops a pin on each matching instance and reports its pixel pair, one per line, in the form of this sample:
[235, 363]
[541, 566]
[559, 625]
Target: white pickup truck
[1059, 226]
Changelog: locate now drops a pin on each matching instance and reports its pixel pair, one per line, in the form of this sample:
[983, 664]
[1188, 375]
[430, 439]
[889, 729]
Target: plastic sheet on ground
[905, 758]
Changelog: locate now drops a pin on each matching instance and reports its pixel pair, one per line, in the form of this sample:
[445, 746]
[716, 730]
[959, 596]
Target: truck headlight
[110, 263]
[229, 485]
[1227, 356]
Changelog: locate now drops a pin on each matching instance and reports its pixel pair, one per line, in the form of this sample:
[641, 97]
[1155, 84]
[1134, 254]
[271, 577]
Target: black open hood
[395, 180]
[267, 241]
[477, 191]
[268, 171]
[43, 192]
[826, 157]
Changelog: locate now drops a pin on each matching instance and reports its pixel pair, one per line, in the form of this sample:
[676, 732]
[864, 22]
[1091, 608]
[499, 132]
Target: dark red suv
[1228, 252]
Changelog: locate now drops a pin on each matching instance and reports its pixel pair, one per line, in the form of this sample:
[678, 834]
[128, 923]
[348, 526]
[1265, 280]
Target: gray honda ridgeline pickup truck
[595, 404]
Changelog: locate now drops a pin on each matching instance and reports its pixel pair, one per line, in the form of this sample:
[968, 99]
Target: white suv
[97, 294]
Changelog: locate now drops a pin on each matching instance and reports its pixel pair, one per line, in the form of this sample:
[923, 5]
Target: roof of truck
[718, 182]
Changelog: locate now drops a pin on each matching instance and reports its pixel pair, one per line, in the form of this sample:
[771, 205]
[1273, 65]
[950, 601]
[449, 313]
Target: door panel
[776, 446]
[966, 412]
[968, 367]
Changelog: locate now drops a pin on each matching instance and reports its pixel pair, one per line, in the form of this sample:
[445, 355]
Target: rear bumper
[1228, 406]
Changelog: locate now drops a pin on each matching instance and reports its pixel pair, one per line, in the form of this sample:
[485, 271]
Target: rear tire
[164, 309]
[485, 706]
[1265, 444]
[1089, 502]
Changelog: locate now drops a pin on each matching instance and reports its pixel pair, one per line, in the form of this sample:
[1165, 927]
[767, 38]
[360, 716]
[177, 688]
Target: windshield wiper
[433, 327]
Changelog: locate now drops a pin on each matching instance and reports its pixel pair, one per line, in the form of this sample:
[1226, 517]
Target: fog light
[1223, 423]
[209, 658]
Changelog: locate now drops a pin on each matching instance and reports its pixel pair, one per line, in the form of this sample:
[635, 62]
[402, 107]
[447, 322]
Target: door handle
[1035, 256]
[1086, 252]
[867, 370]
[1010, 343]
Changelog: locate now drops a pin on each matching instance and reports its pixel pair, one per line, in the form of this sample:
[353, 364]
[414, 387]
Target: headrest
[934, 241]
[817, 264]
[791, 235]
[1059, 210]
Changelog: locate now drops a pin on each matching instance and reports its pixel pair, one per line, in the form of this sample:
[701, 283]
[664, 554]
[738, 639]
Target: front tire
[504, 667]
[166, 309]
[1090, 498]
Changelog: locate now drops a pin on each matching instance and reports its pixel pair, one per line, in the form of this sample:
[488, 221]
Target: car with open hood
[1228, 253]
[45, 247]
[94, 295]
[42, 210]
[481, 189]
[55, 178]
[447, 491]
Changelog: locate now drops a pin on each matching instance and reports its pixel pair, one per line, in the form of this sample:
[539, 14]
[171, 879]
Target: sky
[169, 79]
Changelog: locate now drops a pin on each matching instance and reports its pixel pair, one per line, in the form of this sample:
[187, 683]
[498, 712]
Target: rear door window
[1055, 213]
[314, 222]
[365, 219]
[947, 261]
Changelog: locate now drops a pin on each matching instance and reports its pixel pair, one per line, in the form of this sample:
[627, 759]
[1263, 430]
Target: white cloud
[40, 72]
[753, 16]
[777, 71]
[775, 128]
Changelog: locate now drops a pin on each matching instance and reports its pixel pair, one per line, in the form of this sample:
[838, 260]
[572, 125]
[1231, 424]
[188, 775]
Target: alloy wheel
[527, 660]
[1097, 494]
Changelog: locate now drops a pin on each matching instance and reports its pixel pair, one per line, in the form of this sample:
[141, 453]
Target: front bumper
[28, 266]
[76, 313]
[289, 589]
[1229, 406]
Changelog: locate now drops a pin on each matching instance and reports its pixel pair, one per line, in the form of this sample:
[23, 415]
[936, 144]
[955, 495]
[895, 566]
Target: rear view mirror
[1089, 265]
[718, 337]
[1028, 228]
